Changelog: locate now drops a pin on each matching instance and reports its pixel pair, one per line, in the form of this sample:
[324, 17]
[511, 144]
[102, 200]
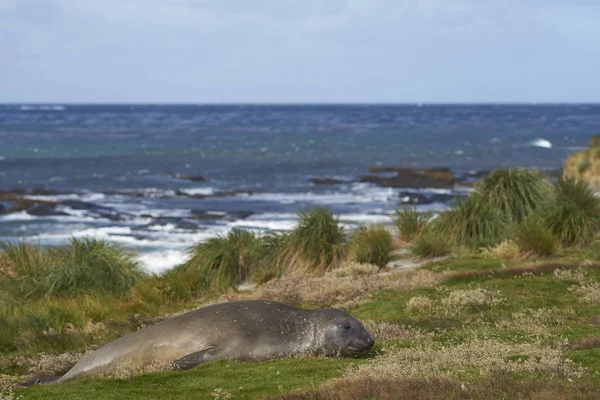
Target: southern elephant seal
[253, 330]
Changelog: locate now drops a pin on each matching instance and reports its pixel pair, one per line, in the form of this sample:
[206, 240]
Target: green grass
[372, 245]
[241, 380]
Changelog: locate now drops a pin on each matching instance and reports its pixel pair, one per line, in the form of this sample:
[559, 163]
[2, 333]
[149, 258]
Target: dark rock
[190, 178]
[203, 215]
[81, 205]
[187, 225]
[44, 210]
[327, 181]
[235, 215]
[228, 193]
[418, 198]
[400, 177]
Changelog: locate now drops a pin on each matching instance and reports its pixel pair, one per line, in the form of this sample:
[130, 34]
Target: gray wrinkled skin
[244, 330]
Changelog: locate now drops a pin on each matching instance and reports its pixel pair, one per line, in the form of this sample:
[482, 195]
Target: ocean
[159, 178]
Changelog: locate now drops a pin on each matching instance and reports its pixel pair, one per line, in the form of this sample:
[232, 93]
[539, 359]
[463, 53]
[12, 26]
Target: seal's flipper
[197, 358]
[38, 381]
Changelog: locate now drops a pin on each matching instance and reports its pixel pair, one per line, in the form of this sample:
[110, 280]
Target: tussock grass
[22, 268]
[472, 222]
[221, 262]
[85, 266]
[410, 223]
[574, 219]
[431, 244]
[316, 245]
[534, 238]
[515, 193]
[92, 265]
[372, 245]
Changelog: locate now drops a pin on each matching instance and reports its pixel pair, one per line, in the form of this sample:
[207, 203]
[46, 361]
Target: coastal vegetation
[511, 311]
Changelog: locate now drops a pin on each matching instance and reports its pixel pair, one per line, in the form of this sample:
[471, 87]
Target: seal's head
[341, 334]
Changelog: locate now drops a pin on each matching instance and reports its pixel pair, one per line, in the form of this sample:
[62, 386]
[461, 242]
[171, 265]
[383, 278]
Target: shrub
[222, 262]
[431, 244]
[472, 222]
[515, 193]
[410, 223]
[575, 217]
[91, 265]
[533, 237]
[372, 245]
[316, 245]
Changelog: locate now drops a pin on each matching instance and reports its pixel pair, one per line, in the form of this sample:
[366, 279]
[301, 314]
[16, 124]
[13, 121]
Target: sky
[299, 51]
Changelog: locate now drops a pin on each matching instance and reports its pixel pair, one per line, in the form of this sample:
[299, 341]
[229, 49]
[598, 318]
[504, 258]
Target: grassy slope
[566, 318]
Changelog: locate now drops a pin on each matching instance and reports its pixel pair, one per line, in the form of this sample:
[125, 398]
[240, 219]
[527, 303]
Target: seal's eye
[346, 327]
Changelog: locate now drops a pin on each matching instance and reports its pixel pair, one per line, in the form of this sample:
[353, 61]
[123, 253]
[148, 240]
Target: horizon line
[260, 103]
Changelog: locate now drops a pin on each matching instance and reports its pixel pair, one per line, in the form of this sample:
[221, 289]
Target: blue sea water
[127, 158]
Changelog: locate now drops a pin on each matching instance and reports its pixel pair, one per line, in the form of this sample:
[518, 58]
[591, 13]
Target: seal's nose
[370, 342]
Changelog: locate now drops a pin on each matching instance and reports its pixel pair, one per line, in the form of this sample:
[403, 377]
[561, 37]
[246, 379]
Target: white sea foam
[355, 219]
[159, 261]
[163, 228]
[540, 143]
[275, 225]
[205, 191]
[381, 195]
[17, 216]
[43, 108]
[87, 197]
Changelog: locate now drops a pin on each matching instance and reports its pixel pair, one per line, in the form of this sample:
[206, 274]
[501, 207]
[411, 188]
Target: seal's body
[244, 330]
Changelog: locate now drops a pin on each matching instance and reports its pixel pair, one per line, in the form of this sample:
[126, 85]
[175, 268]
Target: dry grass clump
[355, 270]
[419, 304]
[498, 387]
[128, 368]
[588, 293]
[7, 383]
[331, 290]
[472, 300]
[540, 322]
[574, 275]
[43, 364]
[506, 250]
[531, 268]
[478, 356]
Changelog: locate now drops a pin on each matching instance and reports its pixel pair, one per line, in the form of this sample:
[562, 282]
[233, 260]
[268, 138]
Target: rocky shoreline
[410, 179]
